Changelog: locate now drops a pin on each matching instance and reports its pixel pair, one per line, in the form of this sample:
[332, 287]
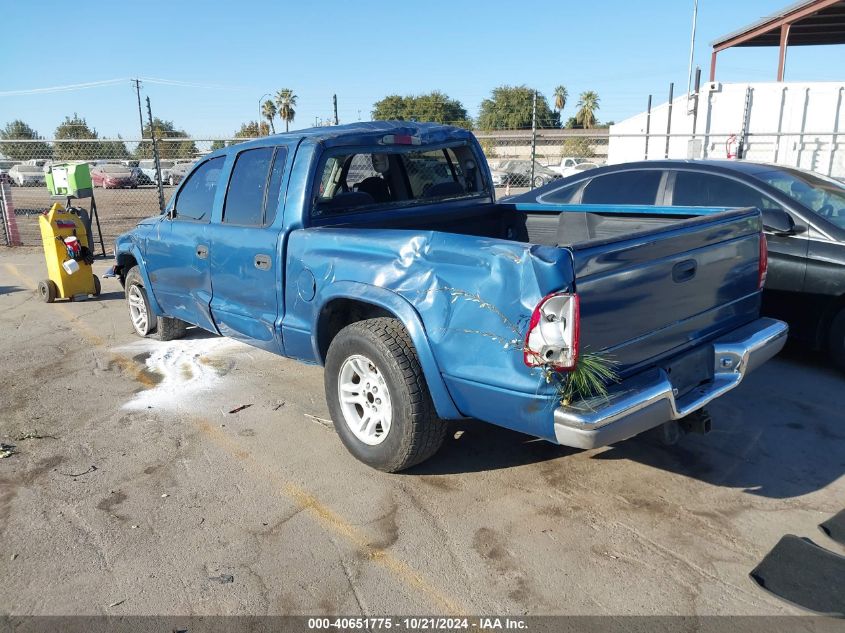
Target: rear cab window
[254, 187]
[352, 181]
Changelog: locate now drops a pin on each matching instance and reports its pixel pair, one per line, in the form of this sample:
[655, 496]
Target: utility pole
[692, 45]
[533, 138]
[137, 83]
[669, 119]
[155, 155]
[334, 102]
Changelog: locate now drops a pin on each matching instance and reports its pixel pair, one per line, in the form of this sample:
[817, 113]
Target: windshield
[824, 196]
[114, 169]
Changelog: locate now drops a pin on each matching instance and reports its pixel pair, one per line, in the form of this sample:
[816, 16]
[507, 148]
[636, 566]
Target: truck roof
[361, 133]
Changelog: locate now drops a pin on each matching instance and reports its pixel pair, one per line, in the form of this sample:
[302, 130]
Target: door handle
[202, 251]
[684, 270]
[262, 262]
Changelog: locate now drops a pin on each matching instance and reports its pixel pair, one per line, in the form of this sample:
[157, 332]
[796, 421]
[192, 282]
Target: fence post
[647, 126]
[533, 138]
[156, 157]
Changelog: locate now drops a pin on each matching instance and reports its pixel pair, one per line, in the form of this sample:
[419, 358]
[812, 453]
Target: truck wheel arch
[351, 302]
[126, 260]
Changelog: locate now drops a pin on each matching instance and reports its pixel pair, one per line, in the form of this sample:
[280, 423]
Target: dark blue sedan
[806, 278]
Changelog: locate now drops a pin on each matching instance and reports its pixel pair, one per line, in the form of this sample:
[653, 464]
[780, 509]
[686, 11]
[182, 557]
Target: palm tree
[286, 100]
[587, 106]
[268, 111]
[561, 93]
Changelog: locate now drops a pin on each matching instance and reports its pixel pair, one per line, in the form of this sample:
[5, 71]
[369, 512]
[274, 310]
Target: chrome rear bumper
[648, 399]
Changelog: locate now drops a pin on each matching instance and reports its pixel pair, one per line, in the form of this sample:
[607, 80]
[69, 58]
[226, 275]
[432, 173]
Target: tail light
[763, 264]
[553, 333]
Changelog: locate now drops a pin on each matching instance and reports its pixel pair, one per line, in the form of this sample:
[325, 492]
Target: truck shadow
[779, 435]
[473, 446]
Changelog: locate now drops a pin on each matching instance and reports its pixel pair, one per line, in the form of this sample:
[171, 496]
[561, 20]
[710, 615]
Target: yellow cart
[68, 262]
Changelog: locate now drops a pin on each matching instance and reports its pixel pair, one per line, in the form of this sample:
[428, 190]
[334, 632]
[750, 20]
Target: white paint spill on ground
[187, 368]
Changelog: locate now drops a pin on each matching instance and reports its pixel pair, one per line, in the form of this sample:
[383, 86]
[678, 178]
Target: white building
[797, 124]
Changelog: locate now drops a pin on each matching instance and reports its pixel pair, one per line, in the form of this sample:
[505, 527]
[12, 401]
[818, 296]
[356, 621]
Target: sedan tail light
[553, 334]
[763, 264]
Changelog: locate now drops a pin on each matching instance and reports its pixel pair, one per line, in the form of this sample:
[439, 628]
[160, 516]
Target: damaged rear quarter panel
[473, 296]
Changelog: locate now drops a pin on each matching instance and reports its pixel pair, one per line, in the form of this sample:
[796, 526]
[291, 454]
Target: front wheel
[140, 313]
[836, 339]
[378, 398]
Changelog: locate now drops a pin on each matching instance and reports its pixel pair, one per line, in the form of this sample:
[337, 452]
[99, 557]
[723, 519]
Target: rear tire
[47, 290]
[836, 339]
[380, 351]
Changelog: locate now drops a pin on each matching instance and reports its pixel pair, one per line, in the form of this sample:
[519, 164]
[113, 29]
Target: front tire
[378, 398]
[140, 313]
[836, 339]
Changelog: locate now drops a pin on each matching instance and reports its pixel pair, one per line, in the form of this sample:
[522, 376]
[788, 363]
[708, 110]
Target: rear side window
[434, 174]
[196, 197]
[624, 187]
[254, 187]
[694, 189]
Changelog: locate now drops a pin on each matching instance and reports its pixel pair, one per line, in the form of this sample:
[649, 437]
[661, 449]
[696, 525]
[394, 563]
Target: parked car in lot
[177, 173]
[113, 176]
[5, 166]
[806, 280]
[518, 174]
[26, 175]
[148, 167]
[429, 300]
[569, 166]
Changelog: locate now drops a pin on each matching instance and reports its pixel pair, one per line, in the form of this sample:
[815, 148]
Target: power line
[67, 88]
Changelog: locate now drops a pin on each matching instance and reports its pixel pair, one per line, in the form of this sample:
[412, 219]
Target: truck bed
[653, 282]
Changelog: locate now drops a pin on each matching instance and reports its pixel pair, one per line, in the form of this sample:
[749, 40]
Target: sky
[218, 58]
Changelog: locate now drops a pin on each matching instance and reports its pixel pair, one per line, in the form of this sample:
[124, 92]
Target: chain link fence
[127, 185]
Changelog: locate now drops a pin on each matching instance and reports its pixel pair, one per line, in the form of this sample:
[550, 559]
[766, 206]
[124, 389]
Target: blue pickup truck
[379, 250]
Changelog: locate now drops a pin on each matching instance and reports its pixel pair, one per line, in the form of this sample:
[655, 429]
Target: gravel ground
[133, 490]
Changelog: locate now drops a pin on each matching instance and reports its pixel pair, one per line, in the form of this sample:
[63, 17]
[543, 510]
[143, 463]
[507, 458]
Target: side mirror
[778, 222]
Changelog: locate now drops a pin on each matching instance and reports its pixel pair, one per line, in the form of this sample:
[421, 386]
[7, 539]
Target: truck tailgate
[653, 294]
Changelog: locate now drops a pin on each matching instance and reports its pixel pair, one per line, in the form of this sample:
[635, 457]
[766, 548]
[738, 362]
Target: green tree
[268, 111]
[113, 149]
[75, 128]
[588, 104]
[250, 129]
[510, 107]
[215, 145]
[286, 101]
[167, 149]
[15, 130]
[434, 106]
[561, 94]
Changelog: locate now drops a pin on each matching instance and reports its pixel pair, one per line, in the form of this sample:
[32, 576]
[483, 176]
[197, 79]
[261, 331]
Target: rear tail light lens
[553, 333]
[763, 265]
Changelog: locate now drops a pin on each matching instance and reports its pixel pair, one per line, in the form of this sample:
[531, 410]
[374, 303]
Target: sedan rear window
[624, 187]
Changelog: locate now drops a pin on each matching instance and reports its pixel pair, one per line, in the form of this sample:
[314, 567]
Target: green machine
[69, 180]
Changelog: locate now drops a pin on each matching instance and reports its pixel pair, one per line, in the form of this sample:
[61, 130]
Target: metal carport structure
[807, 23]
